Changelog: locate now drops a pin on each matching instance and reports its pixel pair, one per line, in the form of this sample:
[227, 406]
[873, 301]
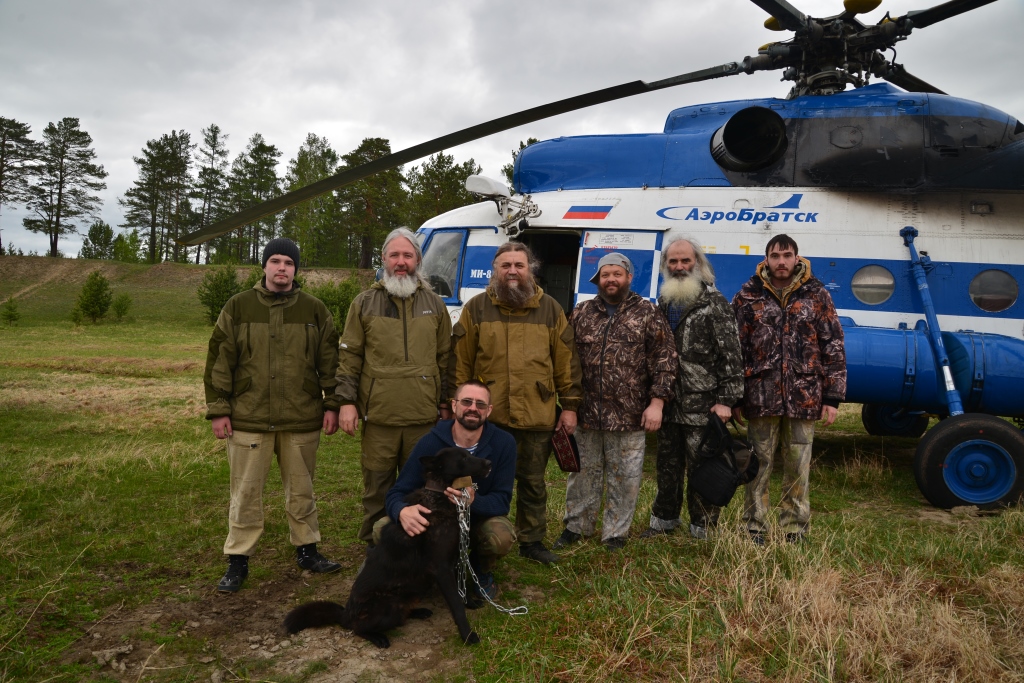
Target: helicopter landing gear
[882, 420]
[971, 459]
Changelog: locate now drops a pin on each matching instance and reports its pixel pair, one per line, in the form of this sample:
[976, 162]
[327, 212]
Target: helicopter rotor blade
[897, 75]
[923, 18]
[351, 175]
[789, 17]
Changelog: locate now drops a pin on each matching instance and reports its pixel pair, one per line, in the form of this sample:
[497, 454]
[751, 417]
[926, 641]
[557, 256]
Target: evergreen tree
[127, 247]
[211, 185]
[314, 224]
[64, 181]
[439, 186]
[253, 179]
[99, 243]
[373, 206]
[95, 298]
[508, 169]
[17, 154]
[9, 312]
[122, 304]
[218, 285]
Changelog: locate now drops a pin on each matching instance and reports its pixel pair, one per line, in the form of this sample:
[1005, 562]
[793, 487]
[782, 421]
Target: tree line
[183, 186]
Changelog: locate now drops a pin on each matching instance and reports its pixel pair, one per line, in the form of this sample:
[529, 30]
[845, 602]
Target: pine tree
[17, 155]
[9, 312]
[508, 169]
[314, 224]
[253, 180]
[439, 186]
[218, 285]
[95, 298]
[99, 243]
[64, 181]
[373, 206]
[211, 186]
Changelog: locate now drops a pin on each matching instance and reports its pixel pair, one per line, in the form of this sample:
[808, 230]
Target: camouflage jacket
[627, 359]
[793, 354]
[710, 363]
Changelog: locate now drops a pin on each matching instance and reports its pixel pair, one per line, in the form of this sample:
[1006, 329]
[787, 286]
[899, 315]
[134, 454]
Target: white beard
[400, 287]
[682, 291]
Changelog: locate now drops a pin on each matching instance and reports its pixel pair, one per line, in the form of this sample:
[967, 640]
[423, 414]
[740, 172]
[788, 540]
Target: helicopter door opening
[642, 248]
[557, 253]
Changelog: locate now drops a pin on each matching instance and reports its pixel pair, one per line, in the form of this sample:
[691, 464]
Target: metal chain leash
[462, 503]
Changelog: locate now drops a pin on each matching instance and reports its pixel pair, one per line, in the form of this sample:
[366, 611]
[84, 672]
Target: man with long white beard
[517, 341]
[393, 360]
[709, 380]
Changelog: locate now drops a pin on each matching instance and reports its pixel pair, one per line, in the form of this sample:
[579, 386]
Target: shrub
[9, 312]
[95, 299]
[218, 285]
[122, 304]
[77, 317]
[338, 296]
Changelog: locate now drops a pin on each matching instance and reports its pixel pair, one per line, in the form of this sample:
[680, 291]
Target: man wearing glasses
[491, 532]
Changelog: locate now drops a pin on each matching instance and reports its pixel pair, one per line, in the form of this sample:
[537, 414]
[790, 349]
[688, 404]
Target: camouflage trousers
[533, 448]
[612, 463]
[677, 457]
[794, 438]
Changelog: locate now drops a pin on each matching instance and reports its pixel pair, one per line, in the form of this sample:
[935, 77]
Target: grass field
[112, 516]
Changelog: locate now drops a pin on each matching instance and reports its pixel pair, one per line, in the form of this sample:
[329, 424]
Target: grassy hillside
[113, 505]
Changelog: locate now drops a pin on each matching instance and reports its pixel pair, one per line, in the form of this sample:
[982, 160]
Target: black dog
[402, 568]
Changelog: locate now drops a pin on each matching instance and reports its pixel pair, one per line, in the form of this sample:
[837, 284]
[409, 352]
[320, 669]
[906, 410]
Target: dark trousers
[677, 457]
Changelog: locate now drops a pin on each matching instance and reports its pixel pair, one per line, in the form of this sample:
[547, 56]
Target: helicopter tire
[881, 420]
[971, 459]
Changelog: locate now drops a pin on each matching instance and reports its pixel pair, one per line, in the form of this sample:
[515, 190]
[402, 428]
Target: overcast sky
[410, 71]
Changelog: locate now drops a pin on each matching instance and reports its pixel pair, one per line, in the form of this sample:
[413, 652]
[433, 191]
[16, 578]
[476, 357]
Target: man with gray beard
[393, 360]
[710, 380]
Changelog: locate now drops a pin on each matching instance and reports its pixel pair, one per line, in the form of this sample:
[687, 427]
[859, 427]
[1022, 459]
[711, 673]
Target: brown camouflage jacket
[710, 363]
[627, 359]
[793, 354]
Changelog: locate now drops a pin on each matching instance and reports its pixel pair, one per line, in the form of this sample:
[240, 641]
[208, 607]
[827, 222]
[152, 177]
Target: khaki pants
[532, 452]
[385, 450]
[611, 463]
[249, 457]
[796, 437]
[490, 539]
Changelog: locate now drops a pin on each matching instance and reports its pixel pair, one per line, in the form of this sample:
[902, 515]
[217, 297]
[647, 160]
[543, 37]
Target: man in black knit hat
[270, 378]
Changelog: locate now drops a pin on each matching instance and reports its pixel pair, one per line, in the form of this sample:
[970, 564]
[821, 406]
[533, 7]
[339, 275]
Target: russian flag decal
[588, 212]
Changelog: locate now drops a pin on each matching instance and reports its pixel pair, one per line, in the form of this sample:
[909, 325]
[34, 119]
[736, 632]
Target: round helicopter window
[873, 285]
[993, 290]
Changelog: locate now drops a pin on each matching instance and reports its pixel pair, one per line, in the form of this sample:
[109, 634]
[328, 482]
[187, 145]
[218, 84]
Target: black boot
[537, 552]
[309, 558]
[238, 569]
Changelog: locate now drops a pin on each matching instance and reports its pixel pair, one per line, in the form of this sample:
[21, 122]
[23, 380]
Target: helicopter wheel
[882, 420]
[971, 459]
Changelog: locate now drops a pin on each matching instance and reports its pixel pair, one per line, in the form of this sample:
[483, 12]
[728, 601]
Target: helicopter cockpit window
[993, 290]
[441, 262]
[873, 285]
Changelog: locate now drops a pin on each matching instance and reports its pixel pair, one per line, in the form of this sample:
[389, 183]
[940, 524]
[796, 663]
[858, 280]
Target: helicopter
[907, 202]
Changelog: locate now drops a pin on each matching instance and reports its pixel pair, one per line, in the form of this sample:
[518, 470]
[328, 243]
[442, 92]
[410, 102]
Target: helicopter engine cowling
[751, 139]
[897, 368]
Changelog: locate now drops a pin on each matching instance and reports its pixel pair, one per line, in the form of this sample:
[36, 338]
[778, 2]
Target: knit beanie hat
[283, 246]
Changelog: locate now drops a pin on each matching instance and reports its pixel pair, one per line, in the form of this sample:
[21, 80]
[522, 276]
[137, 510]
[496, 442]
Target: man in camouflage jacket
[709, 380]
[628, 364]
[794, 362]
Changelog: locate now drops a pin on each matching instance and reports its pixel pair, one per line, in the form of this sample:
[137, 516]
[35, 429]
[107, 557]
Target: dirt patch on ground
[216, 637]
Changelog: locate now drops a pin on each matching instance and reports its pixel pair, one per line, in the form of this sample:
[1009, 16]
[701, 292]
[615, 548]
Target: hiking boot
[651, 532]
[757, 537]
[699, 532]
[308, 558]
[238, 569]
[566, 539]
[538, 553]
[615, 544]
[796, 538]
[475, 597]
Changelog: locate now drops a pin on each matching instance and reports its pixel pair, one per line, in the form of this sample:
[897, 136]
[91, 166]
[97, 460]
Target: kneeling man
[491, 532]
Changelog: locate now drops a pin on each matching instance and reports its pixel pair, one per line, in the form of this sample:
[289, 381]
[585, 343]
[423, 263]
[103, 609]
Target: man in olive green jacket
[516, 339]
[272, 358]
[393, 360]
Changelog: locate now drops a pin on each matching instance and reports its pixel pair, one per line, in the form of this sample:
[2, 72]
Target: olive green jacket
[526, 356]
[272, 359]
[394, 355]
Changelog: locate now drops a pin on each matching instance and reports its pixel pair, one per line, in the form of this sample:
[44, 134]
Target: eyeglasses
[468, 402]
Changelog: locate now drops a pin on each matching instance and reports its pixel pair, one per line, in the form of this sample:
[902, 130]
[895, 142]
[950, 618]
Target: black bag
[725, 462]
